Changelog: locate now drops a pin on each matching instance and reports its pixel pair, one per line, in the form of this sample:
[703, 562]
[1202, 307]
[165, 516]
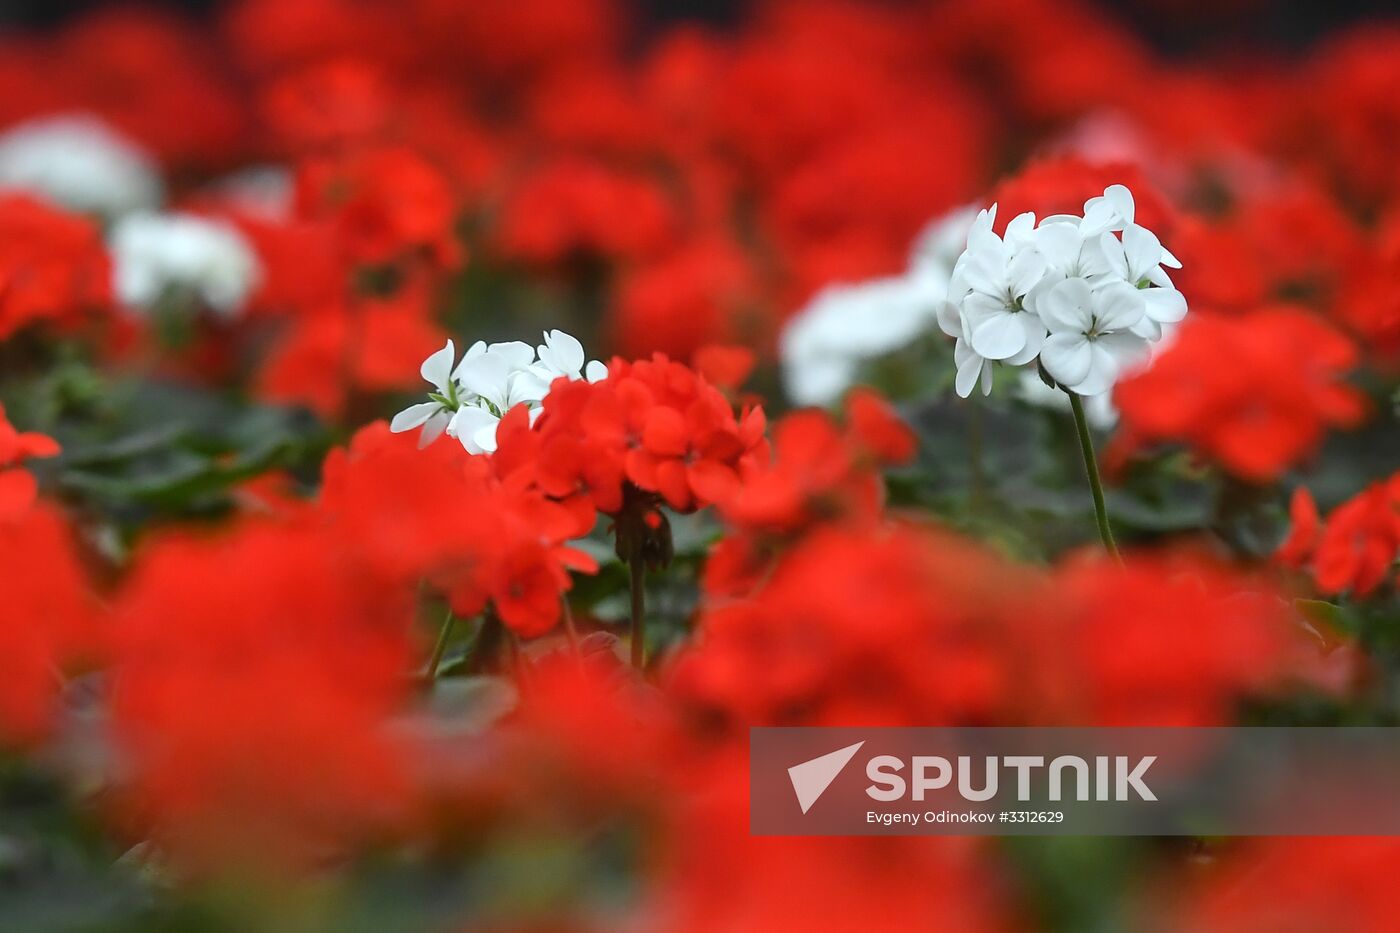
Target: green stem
[639, 610]
[1091, 467]
[441, 647]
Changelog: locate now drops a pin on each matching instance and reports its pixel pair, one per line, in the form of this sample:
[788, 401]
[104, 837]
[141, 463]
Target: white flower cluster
[472, 396]
[79, 162]
[1086, 295]
[156, 256]
[845, 326]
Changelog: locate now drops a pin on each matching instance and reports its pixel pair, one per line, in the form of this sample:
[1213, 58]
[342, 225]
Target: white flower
[562, 355]
[497, 378]
[79, 162]
[824, 345]
[490, 380]
[1091, 333]
[998, 273]
[157, 255]
[433, 416]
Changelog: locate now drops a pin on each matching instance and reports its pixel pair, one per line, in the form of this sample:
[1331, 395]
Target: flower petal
[998, 336]
[437, 369]
[413, 416]
[1067, 357]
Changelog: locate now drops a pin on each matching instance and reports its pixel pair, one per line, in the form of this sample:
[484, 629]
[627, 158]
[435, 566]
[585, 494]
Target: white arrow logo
[811, 778]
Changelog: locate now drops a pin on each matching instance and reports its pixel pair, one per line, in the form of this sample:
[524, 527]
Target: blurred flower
[1355, 550]
[53, 267]
[81, 163]
[1254, 393]
[160, 258]
[17, 486]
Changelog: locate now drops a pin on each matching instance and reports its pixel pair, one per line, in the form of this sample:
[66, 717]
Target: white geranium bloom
[155, 255]
[998, 273]
[433, 416]
[824, 345]
[490, 380]
[497, 379]
[561, 354]
[1091, 333]
[79, 162]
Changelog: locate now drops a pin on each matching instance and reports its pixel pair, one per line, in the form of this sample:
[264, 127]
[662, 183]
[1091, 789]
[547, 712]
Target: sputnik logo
[810, 779]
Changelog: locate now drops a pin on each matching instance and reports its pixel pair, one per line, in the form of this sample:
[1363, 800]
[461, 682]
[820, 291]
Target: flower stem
[1091, 467]
[441, 647]
[639, 610]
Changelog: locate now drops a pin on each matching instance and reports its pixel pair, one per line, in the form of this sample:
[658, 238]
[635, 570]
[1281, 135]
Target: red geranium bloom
[1255, 393]
[47, 619]
[1356, 548]
[17, 487]
[53, 265]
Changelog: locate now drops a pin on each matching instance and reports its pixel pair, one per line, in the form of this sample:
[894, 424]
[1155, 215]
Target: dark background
[1174, 26]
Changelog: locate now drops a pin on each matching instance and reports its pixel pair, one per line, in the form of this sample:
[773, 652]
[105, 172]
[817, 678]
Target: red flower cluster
[1160, 642]
[1255, 394]
[1355, 550]
[53, 267]
[438, 515]
[255, 677]
[654, 424]
[47, 619]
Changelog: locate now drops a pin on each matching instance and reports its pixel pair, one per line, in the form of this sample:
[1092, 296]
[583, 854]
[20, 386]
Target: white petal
[998, 336]
[1067, 357]
[485, 436]
[413, 416]
[1026, 268]
[1035, 339]
[466, 424]
[1128, 350]
[1068, 307]
[434, 427]
[1118, 306]
[595, 371]
[1059, 244]
[970, 366]
[1166, 305]
[487, 376]
[1169, 260]
[562, 352]
[950, 319]
[1115, 258]
[1142, 249]
[516, 353]
[437, 369]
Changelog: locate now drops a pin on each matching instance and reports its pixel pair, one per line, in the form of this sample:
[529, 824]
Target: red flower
[1255, 394]
[1356, 547]
[17, 487]
[255, 675]
[388, 204]
[53, 266]
[571, 207]
[47, 620]
[438, 515]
